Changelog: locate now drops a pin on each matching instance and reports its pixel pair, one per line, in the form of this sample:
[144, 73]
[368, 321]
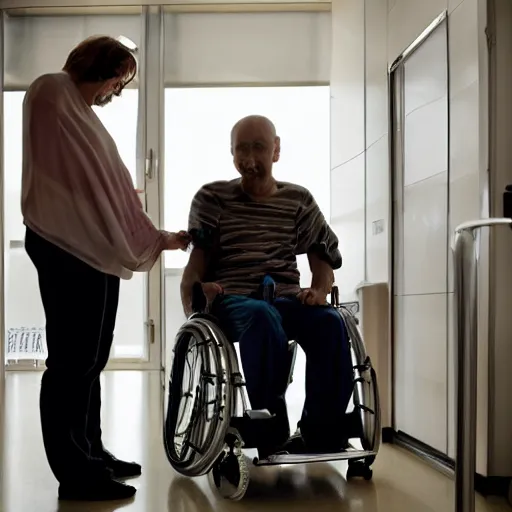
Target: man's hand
[210, 290]
[174, 241]
[312, 297]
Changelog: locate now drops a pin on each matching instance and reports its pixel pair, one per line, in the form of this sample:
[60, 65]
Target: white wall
[367, 38]
[348, 141]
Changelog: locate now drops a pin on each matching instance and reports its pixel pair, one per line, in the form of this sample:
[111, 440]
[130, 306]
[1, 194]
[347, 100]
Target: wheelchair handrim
[366, 400]
[366, 392]
[214, 341]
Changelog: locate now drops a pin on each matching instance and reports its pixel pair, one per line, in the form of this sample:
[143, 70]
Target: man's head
[104, 66]
[255, 147]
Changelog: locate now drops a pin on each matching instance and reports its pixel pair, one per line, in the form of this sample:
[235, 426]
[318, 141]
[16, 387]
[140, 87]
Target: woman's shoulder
[48, 87]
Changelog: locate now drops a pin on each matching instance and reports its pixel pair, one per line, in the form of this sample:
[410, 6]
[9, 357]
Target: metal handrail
[466, 263]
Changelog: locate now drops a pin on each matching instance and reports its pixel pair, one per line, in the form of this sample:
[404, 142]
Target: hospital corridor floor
[132, 427]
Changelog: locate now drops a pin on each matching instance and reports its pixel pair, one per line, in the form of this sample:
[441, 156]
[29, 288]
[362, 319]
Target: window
[198, 124]
[24, 310]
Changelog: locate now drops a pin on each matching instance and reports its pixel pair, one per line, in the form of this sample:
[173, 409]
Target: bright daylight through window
[24, 310]
[198, 122]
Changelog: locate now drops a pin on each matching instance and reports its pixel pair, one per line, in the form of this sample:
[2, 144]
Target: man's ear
[277, 150]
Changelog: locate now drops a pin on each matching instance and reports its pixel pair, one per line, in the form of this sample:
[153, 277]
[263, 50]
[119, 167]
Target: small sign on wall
[378, 227]
[26, 343]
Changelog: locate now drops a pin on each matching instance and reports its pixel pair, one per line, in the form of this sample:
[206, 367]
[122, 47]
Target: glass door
[209, 84]
[38, 43]
[421, 283]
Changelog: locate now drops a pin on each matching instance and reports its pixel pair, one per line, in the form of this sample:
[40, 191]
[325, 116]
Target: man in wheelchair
[248, 232]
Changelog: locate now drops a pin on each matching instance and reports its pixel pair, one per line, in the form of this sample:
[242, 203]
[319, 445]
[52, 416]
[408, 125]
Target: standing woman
[85, 229]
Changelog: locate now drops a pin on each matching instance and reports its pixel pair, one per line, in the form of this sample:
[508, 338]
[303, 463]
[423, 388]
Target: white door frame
[2, 230]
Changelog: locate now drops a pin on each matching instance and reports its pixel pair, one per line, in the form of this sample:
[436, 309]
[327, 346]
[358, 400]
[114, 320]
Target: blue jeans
[263, 331]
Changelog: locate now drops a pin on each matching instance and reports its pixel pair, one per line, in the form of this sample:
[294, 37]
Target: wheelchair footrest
[254, 426]
[264, 414]
[287, 458]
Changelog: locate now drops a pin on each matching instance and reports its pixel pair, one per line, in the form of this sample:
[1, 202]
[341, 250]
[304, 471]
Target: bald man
[253, 228]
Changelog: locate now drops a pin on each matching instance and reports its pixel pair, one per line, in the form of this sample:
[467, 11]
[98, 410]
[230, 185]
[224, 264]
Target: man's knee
[330, 323]
[261, 310]
[249, 317]
[328, 336]
[262, 317]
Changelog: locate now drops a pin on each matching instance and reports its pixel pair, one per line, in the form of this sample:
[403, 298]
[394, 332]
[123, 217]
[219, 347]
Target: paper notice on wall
[26, 343]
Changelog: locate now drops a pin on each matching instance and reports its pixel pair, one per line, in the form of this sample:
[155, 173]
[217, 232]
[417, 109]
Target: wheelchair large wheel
[366, 392]
[199, 402]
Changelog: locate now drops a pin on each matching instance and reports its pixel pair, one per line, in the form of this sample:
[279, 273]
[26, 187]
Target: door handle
[150, 324]
[150, 165]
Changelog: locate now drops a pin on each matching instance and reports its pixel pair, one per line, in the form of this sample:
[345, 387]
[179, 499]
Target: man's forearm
[193, 273]
[188, 280]
[323, 275]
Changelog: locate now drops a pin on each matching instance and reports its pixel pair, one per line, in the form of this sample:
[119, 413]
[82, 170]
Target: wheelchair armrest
[199, 300]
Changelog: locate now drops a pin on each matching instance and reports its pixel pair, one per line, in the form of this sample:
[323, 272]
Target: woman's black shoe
[99, 490]
[120, 468]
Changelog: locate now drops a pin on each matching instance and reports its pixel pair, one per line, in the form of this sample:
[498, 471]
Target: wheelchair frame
[207, 442]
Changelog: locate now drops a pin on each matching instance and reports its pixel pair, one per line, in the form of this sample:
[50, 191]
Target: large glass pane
[120, 118]
[45, 41]
[198, 123]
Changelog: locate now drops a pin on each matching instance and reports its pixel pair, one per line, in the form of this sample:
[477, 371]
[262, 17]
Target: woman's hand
[139, 191]
[174, 241]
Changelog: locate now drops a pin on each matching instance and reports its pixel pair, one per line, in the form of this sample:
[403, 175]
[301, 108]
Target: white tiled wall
[348, 143]
[376, 32]
[377, 142]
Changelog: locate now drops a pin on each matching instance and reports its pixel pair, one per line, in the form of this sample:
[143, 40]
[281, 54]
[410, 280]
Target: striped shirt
[254, 239]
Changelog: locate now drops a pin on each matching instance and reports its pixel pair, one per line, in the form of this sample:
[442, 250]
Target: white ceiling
[105, 6]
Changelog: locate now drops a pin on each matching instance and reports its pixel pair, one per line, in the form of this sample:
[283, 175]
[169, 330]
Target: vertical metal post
[466, 256]
[466, 285]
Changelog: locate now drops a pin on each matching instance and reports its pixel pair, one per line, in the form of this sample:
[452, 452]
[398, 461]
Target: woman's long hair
[102, 58]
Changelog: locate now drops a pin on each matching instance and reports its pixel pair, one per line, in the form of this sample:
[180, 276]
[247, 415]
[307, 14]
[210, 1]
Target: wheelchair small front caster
[359, 469]
[230, 473]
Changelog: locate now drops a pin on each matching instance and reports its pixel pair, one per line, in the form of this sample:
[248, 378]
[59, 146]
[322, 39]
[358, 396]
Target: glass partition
[210, 82]
[198, 124]
[202, 84]
[35, 45]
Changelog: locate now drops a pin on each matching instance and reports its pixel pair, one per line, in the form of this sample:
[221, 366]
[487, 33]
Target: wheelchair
[208, 422]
